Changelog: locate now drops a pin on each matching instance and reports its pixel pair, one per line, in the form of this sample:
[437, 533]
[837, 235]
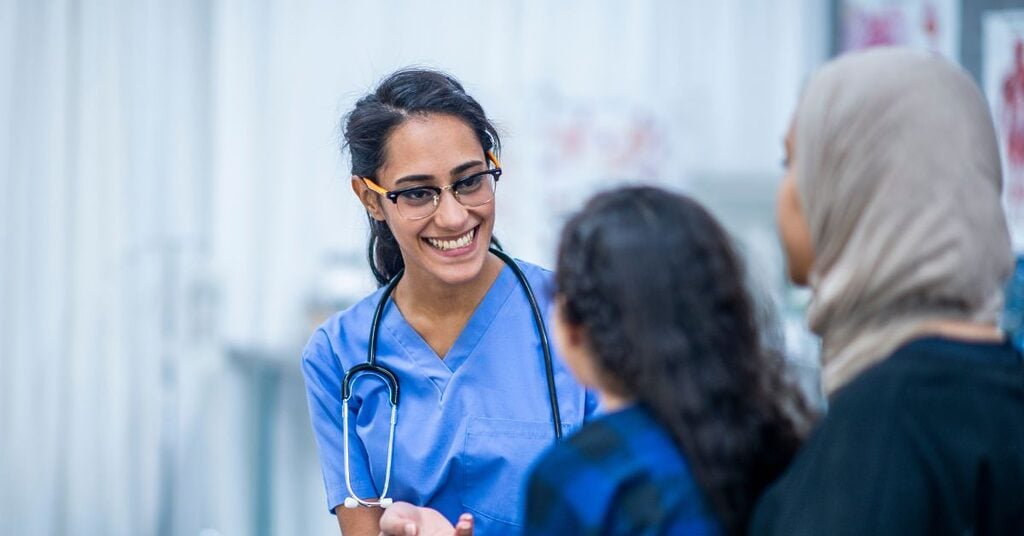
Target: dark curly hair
[366, 129]
[657, 287]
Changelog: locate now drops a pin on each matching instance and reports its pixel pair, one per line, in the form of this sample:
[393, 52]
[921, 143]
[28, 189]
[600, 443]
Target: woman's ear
[369, 198]
[794, 231]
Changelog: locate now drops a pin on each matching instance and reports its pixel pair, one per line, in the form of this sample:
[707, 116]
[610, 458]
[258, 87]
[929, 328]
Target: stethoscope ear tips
[385, 502]
[351, 502]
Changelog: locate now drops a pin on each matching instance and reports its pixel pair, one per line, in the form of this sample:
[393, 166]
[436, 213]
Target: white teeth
[460, 242]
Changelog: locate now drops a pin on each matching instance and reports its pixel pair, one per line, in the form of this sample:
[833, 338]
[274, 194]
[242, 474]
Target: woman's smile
[454, 246]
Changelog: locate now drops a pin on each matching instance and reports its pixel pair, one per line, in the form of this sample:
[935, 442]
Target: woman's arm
[323, 374]
[359, 521]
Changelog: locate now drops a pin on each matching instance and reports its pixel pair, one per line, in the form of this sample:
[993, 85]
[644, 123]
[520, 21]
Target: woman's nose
[451, 214]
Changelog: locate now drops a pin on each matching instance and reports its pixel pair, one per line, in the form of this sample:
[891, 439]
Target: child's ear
[369, 198]
[576, 335]
[573, 334]
[573, 345]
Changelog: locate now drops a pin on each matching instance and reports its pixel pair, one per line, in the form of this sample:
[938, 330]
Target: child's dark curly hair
[654, 281]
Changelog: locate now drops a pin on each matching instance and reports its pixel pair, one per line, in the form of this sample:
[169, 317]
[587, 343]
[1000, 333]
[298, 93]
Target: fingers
[397, 519]
[409, 529]
[464, 527]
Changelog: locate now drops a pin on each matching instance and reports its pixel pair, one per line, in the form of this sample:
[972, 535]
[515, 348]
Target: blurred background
[176, 217]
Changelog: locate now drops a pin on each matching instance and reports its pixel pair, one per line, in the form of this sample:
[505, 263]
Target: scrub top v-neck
[469, 425]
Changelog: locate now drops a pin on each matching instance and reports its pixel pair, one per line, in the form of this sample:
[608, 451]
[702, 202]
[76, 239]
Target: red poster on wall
[1003, 73]
[927, 24]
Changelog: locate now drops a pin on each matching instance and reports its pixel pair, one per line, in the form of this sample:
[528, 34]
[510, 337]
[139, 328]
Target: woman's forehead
[429, 145]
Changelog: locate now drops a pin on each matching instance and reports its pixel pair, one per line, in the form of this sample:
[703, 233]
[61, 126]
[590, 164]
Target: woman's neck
[963, 330]
[426, 295]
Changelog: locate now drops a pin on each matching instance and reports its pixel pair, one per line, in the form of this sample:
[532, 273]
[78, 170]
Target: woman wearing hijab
[890, 210]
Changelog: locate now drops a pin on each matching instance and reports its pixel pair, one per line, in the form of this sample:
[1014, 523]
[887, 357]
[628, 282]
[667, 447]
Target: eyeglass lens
[471, 191]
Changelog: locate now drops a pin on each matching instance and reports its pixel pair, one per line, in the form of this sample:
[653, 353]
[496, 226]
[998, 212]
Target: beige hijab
[898, 172]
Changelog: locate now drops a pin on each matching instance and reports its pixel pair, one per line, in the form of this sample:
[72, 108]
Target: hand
[404, 519]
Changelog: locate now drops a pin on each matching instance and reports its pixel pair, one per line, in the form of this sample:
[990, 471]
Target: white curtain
[175, 215]
[105, 158]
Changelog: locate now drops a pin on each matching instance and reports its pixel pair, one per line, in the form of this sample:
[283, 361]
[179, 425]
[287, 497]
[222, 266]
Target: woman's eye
[419, 195]
[469, 183]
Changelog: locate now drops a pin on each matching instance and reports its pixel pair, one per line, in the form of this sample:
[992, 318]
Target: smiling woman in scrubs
[458, 331]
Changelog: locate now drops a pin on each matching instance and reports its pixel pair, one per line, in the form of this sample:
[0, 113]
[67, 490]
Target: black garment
[929, 441]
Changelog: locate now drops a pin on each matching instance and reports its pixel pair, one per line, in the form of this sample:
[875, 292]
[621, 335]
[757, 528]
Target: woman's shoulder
[345, 328]
[884, 429]
[541, 279]
[533, 270]
[915, 375]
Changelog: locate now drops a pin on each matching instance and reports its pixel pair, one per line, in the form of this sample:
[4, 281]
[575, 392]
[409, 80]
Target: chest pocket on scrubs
[496, 456]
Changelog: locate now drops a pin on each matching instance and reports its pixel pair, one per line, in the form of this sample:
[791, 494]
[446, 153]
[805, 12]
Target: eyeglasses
[421, 201]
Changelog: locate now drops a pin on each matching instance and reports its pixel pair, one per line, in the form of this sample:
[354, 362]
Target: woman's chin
[458, 270]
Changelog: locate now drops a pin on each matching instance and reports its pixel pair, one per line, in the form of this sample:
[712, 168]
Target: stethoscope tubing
[542, 332]
[372, 368]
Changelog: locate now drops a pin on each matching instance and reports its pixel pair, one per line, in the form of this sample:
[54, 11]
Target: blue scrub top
[469, 426]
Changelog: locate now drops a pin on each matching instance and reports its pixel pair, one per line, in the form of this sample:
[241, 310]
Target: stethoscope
[372, 368]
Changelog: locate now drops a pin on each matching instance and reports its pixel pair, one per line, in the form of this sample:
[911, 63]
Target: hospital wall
[175, 214]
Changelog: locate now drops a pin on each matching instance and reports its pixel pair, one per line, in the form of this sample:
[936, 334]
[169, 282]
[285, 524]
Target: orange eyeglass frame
[380, 190]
